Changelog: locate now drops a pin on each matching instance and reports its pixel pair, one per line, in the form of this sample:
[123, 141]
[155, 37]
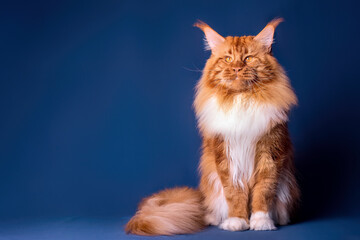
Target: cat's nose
[236, 69]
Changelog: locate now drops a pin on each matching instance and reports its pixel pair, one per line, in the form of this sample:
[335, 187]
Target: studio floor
[113, 229]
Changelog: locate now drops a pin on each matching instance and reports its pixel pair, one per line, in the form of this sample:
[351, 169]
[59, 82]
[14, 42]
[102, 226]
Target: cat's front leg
[238, 216]
[234, 199]
[263, 194]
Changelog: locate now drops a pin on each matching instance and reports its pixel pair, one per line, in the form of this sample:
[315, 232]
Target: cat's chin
[229, 90]
[230, 87]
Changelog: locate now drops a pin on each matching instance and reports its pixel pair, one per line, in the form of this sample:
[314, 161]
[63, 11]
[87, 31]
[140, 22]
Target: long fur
[247, 172]
[172, 211]
[243, 124]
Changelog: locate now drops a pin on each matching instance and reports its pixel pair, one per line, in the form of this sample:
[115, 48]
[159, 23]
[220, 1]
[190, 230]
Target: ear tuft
[275, 22]
[212, 38]
[266, 36]
[200, 24]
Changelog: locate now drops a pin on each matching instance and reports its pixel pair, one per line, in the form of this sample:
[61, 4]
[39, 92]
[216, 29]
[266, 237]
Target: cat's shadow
[325, 166]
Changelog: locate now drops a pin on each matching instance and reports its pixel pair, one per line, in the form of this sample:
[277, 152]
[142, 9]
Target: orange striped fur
[247, 171]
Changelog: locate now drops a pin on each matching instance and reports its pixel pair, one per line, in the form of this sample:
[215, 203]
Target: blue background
[96, 100]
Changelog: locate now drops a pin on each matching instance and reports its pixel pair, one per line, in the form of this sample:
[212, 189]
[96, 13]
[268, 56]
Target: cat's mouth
[247, 81]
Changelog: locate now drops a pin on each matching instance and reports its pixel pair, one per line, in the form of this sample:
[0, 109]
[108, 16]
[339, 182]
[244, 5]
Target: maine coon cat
[247, 172]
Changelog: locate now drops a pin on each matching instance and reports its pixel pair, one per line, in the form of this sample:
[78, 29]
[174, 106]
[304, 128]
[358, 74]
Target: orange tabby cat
[247, 173]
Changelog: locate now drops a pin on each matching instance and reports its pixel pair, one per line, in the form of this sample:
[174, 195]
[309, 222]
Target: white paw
[261, 221]
[234, 224]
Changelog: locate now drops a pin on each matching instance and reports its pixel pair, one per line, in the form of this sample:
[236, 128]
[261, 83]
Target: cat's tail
[169, 212]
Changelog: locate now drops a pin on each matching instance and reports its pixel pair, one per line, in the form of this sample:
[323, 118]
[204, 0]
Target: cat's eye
[249, 59]
[228, 59]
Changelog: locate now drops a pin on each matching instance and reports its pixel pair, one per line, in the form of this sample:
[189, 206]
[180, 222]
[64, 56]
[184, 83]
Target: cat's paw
[234, 224]
[261, 221]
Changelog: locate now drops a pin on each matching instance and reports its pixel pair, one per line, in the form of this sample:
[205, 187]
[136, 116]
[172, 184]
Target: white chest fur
[241, 126]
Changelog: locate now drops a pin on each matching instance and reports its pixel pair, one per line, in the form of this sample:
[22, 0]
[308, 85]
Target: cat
[247, 172]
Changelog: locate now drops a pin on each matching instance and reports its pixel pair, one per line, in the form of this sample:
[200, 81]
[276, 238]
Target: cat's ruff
[241, 126]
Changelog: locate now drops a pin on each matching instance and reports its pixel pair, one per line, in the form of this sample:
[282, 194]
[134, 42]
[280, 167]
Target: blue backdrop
[96, 100]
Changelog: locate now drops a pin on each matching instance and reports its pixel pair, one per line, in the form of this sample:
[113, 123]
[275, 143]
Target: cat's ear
[213, 39]
[266, 36]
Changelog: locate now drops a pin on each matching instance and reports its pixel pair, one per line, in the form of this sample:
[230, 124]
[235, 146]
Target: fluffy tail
[169, 212]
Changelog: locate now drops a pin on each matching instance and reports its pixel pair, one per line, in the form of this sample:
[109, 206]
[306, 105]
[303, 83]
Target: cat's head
[240, 64]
